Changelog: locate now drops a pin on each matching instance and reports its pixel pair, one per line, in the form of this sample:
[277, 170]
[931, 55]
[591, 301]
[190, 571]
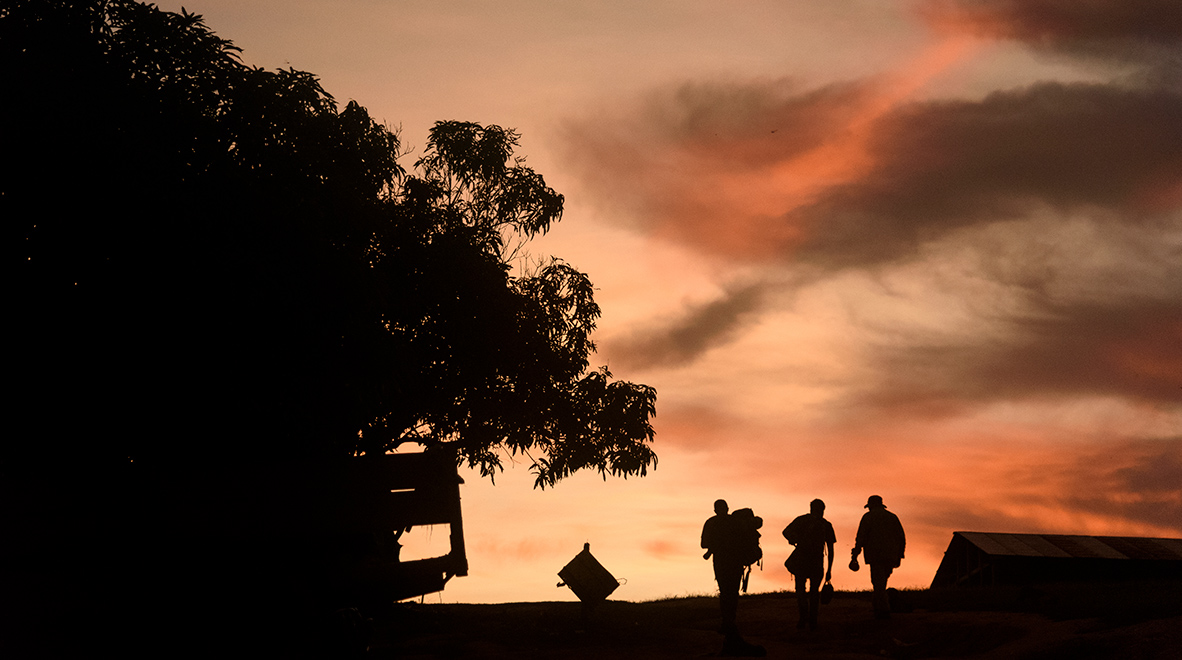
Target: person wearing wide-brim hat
[881, 538]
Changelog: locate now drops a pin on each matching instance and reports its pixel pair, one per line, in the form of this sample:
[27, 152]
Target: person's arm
[829, 571]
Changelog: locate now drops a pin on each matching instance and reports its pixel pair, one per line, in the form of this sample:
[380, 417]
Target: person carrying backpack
[719, 540]
[732, 540]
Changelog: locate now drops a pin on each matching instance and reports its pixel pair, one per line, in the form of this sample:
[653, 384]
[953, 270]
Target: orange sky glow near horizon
[929, 250]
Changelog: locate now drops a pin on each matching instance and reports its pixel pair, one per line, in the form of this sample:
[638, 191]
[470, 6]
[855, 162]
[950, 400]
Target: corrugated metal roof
[1170, 547]
[1041, 546]
[1065, 545]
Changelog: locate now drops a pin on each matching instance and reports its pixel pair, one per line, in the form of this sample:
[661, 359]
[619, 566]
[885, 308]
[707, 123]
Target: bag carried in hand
[826, 594]
[793, 562]
[854, 564]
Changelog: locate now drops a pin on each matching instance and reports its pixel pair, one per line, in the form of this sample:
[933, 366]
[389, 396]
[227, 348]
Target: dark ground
[1078, 622]
[1067, 622]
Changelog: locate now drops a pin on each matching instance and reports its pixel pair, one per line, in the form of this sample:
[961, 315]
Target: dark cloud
[686, 338]
[1159, 470]
[717, 166]
[1130, 349]
[940, 514]
[943, 166]
[751, 124]
[1041, 21]
[1148, 488]
[1112, 153]
[1146, 32]
[933, 167]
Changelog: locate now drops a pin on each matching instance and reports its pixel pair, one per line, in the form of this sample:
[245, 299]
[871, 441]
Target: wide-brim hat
[874, 501]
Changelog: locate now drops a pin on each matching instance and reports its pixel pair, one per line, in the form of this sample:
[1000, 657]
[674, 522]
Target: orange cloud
[853, 177]
[846, 157]
[662, 548]
[726, 164]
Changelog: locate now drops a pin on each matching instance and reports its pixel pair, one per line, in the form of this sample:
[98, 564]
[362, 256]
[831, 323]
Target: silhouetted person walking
[812, 535]
[724, 537]
[718, 537]
[881, 537]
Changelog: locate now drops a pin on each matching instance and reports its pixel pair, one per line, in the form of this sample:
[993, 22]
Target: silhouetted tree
[219, 264]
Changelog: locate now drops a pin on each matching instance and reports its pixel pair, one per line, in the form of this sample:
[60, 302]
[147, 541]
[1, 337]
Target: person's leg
[728, 595]
[814, 600]
[878, 578]
[802, 602]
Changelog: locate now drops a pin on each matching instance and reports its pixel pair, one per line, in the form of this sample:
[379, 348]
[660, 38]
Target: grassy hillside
[1074, 621]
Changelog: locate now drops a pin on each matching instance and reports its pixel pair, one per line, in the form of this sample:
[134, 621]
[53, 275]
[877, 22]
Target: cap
[874, 501]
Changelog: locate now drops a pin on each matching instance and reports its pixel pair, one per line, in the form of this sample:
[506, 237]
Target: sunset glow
[938, 259]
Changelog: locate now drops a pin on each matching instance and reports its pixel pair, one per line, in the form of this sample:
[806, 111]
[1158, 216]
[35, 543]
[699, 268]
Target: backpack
[747, 526]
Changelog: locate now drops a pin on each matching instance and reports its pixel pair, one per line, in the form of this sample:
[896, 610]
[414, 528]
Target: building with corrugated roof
[975, 559]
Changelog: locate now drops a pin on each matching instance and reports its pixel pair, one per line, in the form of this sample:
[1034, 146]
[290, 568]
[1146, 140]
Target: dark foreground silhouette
[731, 541]
[225, 277]
[1062, 622]
[812, 538]
[883, 542]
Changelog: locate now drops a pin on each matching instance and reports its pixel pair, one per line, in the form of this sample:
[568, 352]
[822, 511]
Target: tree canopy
[221, 263]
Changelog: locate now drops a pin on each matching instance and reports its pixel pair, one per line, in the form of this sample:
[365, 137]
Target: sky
[928, 250]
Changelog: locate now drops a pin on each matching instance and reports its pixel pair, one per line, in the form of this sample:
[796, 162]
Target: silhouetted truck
[360, 509]
[169, 557]
[411, 490]
[331, 528]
